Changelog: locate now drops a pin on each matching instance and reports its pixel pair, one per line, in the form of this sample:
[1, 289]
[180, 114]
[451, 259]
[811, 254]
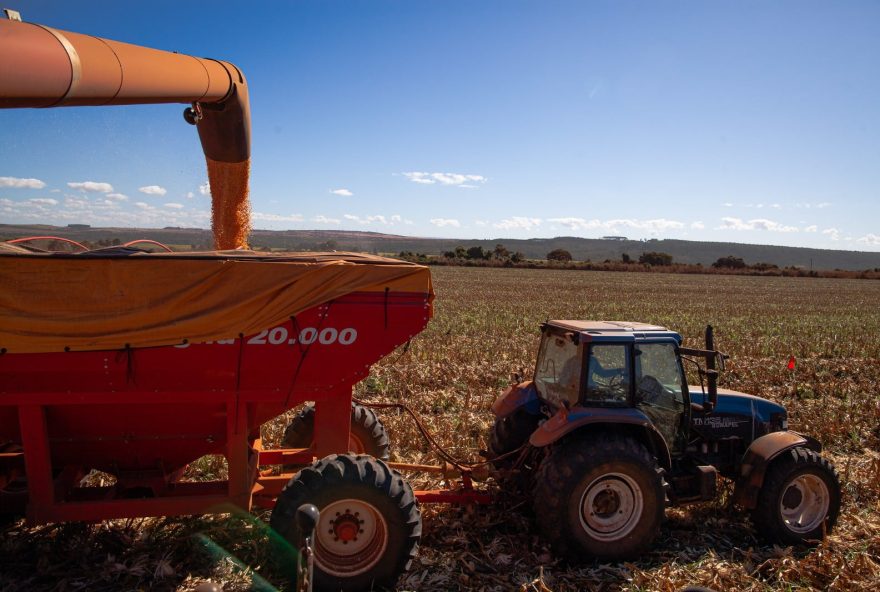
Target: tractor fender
[757, 459]
[519, 395]
[568, 421]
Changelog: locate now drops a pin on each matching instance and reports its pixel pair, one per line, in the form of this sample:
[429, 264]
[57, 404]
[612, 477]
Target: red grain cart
[137, 364]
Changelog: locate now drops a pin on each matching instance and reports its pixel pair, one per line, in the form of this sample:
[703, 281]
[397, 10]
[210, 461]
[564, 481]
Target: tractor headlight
[778, 422]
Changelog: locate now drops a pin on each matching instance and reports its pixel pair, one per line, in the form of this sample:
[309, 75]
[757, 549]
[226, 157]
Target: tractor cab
[601, 364]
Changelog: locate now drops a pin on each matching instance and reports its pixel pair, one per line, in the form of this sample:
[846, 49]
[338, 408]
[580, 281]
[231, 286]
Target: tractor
[608, 433]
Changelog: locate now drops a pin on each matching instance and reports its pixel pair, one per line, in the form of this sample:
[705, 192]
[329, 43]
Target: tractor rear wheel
[509, 433]
[369, 528]
[368, 435]
[602, 496]
[799, 500]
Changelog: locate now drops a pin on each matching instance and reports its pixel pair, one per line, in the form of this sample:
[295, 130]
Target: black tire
[799, 483]
[509, 433]
[601, 496]
[368, 435]
[348, 490]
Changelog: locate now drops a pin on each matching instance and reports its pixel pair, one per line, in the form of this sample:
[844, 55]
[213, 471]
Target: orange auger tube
[45, 67]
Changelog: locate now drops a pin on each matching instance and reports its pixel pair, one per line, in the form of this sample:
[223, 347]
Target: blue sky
[748, 122]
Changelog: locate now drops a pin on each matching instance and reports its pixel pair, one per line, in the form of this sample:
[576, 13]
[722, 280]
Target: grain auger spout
[44, 67]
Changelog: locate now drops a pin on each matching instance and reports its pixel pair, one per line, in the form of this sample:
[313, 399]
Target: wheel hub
[351, 537]
[606, 503]
[611, 506]
[804, 503]
[346, 527]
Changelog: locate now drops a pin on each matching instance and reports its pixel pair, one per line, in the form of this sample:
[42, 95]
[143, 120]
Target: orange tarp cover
[89, 302]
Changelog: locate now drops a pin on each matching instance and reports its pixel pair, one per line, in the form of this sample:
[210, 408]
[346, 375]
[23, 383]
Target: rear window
[557, 376]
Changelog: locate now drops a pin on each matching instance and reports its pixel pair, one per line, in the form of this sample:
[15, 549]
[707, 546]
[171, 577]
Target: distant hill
[582, 249]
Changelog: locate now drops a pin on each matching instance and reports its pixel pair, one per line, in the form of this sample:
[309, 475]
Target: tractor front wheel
[800, 499]
[602, 496]
[369, 527]
[367, 436]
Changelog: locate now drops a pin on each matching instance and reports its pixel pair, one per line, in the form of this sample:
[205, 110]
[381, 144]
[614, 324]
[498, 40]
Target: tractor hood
[739, 414]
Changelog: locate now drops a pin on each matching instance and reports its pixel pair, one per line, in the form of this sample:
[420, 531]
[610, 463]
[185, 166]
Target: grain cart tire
[369, 528]
[368, 435]
[799, 500]
[601, 495]
[509, 433]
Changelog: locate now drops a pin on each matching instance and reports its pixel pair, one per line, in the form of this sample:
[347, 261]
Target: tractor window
[557, 377]
[608, 374]
[659, 395]
[660, 362]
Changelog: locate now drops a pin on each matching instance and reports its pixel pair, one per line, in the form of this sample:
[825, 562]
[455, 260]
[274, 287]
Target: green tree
[477, 253]
[730, 262]
[501, 253]
[655, 258]
[558, 255]
[625, 258]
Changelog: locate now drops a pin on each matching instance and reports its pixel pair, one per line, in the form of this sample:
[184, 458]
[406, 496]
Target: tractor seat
[697, 408]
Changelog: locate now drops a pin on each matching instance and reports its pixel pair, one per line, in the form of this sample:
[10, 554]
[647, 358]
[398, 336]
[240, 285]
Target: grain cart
[136, 364]
[617, 435]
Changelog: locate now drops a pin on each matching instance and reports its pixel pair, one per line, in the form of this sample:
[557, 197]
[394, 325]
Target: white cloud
[276, 217]
[44, 201]
[20, 183]
[518, 223]
[76, 202]
[480, 222]
[92, 186]
[698, 225]
[190, 195]
[870, 239]
[832, 233]
[756, 224]
[153, 190]
[377, 219]
[653, 225]
[117, 196]
[443, 222]
[459, 179]
[727, 204]
[174, 206]
[205, 188]
[808, 206]
[321, 219]
[101, 211]
[342, 191]
[812, 228]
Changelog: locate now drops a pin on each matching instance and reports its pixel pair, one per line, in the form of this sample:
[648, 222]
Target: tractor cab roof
[620, 331]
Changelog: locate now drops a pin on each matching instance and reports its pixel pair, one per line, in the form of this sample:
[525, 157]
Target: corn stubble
[486, 327]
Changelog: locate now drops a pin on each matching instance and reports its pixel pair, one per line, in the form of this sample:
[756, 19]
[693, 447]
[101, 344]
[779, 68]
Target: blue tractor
[609, 433]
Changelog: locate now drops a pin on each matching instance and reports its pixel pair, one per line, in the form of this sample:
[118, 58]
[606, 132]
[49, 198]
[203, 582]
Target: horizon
[730, 122]
[495, 239]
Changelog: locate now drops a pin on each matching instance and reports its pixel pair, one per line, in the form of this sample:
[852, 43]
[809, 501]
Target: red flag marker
[791, 363]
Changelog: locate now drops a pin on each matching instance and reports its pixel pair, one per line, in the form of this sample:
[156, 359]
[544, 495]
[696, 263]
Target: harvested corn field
[485, 327]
